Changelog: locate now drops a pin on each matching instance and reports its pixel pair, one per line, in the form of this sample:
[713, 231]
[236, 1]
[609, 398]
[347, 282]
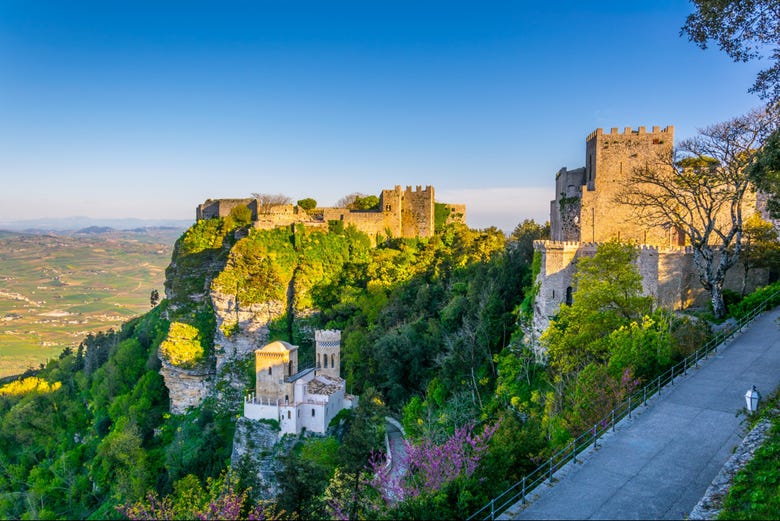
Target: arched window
[269, 370]
[318, 361]
[332, 361]
[568, 296]
[312, 412]
[286, 399]
[288, 415]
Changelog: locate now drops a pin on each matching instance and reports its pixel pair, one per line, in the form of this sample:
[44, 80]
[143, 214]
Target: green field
[55, 289]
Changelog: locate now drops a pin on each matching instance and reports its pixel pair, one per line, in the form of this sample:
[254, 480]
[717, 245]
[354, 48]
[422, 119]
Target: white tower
[328, 351]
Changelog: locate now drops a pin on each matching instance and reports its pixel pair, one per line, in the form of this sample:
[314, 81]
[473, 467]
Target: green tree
[307, 204]
[154, 298]
[607, 296]
[745, 30]
[240, 215]
[358, 201]
[765, 172]
[761, 248]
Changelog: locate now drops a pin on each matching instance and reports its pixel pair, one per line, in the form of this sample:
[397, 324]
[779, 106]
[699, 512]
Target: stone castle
[585, 213]
[401, 213]
[299, 398]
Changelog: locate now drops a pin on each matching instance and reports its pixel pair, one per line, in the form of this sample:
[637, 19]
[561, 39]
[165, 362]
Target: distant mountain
[78, 223]
[96, 229]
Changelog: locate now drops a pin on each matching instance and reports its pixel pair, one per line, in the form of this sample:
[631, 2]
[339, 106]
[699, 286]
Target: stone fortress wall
[585, 213]
[401, 213]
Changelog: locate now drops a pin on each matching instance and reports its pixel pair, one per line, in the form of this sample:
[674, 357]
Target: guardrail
[545, 472]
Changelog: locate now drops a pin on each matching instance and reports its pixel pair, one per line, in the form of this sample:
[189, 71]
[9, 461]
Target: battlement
[629, 131]
[583, 247]
[327, 335]
[540, 245]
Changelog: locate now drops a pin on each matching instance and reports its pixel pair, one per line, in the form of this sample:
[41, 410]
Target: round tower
[328, 351]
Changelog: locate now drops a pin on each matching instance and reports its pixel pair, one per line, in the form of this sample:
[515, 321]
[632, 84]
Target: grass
[55, 289]
[755, 492]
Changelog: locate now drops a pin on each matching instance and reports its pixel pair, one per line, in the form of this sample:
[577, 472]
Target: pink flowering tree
[428, 467]
[220, 500]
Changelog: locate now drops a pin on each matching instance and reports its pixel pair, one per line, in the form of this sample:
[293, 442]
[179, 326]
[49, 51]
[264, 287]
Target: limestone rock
[186, 387]
[255, 447]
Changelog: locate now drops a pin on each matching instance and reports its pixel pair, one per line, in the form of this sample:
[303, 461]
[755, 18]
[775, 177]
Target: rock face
[250, 326]
[255, 447]
[186, 387]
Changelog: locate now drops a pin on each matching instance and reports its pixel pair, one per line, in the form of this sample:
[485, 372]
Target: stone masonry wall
[668, 275]
[610, 159]
[402, 213]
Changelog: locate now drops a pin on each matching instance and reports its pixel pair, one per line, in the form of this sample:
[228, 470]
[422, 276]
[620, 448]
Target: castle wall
[668, 275]
[402, 213]
[565, 208]
[221, 208]
[456, 214]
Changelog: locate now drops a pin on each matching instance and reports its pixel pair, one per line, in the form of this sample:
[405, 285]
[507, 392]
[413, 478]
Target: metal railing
[545, 472]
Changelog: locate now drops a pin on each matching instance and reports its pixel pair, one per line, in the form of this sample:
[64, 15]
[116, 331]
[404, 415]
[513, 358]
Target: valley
[55, 288]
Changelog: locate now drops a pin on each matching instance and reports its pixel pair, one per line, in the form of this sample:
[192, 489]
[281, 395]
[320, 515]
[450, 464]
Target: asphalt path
[659, 463]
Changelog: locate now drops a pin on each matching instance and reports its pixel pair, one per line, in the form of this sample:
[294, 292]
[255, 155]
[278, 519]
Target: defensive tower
[327, 346]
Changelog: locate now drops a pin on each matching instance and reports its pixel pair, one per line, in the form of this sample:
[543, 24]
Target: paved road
[659, 464]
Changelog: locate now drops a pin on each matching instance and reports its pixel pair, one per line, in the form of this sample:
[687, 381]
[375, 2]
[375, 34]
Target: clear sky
[145, 109]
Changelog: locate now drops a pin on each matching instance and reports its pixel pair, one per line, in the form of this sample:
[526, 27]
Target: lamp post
[752, 396]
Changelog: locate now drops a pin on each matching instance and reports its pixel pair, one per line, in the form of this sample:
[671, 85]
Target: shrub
[182, 347]
[307, 204]
[749, 303]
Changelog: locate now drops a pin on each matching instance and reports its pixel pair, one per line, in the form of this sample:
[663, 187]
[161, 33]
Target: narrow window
[288, 415]
[568, 296]
[289, 368]
[312, 412]
[332, 361]
[269, 370]
[286, 398]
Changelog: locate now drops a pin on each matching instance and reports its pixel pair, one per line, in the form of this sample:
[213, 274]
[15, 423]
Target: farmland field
[57, 288]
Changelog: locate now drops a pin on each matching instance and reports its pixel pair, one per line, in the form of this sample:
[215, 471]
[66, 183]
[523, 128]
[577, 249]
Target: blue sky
[145, 109]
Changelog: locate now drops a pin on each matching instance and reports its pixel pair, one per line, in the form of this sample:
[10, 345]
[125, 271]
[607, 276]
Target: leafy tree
[307, 204]
[240, 215]
[302, 481]
[745, 30]
[700, 189]
[358, 201]
[607, 296]
[761, 248]
[154, 298]
[765, 172]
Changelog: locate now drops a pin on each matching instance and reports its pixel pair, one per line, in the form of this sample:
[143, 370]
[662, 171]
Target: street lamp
[752, 396]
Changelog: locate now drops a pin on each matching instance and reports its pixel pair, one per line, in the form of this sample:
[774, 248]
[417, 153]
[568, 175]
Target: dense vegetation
[433, 333]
